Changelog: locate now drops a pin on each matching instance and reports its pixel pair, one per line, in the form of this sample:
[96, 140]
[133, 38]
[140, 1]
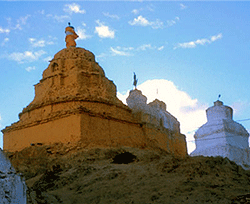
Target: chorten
[12, 186]
[152, 113]
[222, 136]
[76, 103]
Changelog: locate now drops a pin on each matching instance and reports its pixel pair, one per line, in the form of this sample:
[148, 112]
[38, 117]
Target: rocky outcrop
[66, 174]
[12, 187]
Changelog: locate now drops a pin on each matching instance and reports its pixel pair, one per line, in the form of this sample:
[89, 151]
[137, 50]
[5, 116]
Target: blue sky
[190, 51]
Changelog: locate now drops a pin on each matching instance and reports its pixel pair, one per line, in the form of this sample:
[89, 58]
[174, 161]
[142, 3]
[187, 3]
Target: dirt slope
[72, 174]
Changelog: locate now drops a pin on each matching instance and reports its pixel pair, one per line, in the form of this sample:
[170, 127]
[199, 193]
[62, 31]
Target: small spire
[70, 36]
[70, 25]
[219, 97]
[135, 81]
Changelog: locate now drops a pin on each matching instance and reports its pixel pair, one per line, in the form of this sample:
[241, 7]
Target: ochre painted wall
[95, 131]
[61, 130]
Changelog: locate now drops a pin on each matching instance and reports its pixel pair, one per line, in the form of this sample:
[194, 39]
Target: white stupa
[221, 136]
[12, 187]
[153, 113]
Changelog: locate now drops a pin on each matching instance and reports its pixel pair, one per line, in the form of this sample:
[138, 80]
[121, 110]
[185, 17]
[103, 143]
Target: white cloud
[189, 112]
[57, 18]
[193, 44]
[102, 55]
[117, 51]
[183, 6]
[141, 21]
[73, 8]
[145, 47]
[107, 14]
[4, 30]
[81, 32]
[39, 43]
[172, 22]
[27, 56]
[22, 21]
[104, 31]
[129, 51]
[161, 48]
[216, 37]
[147, 8]
[42, 12]
[135, 11]
[29, 69]
[48, 59]
[5, 41]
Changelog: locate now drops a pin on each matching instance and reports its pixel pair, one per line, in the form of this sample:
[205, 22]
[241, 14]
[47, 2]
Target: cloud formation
[189, 112]
[5, 41]
[18, 25]
[39, 43]
[48, 58]
[107, 14]
[104, 31]
[135, 11]
[203, 41]
[4, 30]
[147, 8]
[60, 19]
[22, 21]
[29, 69]
[145, 47]
[73, 8]
[182, 6]
[81, 32]
[160, 48]
[27, 56]
[116, 51]
[172, 22]
[141, 21]
[129, 51]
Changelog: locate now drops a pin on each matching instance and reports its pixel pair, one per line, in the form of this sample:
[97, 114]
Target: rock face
[221, 136]
[74, 101]
[12, 188]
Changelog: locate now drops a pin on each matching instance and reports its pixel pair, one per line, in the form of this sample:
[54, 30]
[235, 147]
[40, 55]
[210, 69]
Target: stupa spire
[70, 36]
[135, 81]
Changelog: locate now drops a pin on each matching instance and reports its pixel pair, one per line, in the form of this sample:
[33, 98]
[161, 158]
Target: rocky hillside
[71, 174]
